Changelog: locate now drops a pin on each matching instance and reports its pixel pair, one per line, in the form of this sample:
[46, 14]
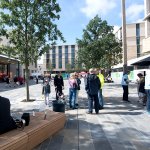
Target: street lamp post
[124, 42]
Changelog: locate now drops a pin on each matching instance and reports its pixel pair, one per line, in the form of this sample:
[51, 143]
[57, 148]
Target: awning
[132, 62]
[143, 62]
[7, 60]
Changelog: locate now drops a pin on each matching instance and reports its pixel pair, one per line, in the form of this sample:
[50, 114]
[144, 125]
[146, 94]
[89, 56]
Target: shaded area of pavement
[120, 126]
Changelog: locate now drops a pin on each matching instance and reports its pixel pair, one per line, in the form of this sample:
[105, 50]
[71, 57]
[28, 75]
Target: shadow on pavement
[114, 105]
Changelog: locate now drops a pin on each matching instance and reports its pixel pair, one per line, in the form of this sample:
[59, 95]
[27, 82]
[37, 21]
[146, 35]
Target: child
[46, 91]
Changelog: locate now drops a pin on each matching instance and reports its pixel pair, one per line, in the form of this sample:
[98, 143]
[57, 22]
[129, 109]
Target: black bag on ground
[58, 107]
[26, 117]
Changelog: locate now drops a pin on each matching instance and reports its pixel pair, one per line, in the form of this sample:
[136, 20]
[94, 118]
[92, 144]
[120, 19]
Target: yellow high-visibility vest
[101, 77]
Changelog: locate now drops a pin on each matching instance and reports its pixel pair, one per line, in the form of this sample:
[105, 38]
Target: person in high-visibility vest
[100, 95]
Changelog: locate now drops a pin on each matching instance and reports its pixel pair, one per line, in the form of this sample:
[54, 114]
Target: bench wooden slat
[13, 140]
[32, 135]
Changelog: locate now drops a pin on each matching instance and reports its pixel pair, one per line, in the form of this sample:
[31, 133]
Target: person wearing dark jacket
[46, 91]
[59, 84]
[141, 89]
[78, 88]
[6, 121]
[92, 87]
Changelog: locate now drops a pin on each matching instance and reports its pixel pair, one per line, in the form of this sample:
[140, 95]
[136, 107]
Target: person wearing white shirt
[124, 83]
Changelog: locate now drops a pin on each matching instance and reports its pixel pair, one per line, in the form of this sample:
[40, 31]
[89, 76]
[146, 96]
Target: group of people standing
[94, 81]
[93, 86]
[143, 88]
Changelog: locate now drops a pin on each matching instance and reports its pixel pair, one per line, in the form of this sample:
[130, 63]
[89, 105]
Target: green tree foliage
[98, 46]
[30, 27]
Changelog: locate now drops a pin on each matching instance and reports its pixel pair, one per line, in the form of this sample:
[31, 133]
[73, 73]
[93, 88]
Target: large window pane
[137, 30]
[60, 57]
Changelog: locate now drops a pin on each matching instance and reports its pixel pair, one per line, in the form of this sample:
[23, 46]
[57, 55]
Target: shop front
[8, 67]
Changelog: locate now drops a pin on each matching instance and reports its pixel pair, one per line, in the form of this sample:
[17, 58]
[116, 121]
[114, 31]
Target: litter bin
[58, 107]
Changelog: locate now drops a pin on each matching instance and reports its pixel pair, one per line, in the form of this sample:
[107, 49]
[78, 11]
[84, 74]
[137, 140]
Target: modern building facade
[60, 58]
[146, 41]
[144, 49]
[134, 36]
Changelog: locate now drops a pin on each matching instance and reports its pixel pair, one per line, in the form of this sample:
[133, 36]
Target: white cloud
[116, 28]
[94, 7]
[134, 11]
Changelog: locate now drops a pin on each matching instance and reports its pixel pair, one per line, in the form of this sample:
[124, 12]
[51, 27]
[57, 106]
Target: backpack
[75, 86]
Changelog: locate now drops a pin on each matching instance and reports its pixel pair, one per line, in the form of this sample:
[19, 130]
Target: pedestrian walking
[46, 91]
[147, 88]
[78, 88]
[92, 88]
[100, 95]
[124, 83]
[73, 87]
[59, 84]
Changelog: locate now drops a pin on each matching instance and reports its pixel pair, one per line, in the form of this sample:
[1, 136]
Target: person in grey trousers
[92, 87]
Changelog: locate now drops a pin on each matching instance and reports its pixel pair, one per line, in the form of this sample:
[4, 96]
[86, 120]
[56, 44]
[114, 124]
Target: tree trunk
[27, 82]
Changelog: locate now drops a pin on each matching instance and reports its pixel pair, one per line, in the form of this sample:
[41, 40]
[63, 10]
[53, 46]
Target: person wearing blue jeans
[73, 87]
[72, 97]
[100, 97]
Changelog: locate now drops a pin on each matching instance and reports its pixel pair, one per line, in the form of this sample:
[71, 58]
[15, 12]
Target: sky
[76, 14]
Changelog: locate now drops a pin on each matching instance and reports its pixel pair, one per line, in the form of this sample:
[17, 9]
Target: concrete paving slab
[119, 126]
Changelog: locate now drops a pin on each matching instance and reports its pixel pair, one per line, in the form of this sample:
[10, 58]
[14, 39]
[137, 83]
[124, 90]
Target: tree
[98, 46]
[30, 27]
[68, 67]
[49, 67]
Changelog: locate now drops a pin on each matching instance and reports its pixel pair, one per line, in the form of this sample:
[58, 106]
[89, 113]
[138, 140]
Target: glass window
[138, 50]
[66, 54]
[54, 57]
[137, 30]
[138, 41]
[72, 56]
[72, 63]
[60, 56]
[47, 61]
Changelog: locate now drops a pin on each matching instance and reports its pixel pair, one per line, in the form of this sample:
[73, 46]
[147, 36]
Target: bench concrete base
[34, 134]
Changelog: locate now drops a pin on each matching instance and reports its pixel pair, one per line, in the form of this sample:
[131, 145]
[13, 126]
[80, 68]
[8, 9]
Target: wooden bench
[34, 134]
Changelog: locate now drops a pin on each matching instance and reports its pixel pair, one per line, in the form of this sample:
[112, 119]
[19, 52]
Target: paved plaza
[119, 126]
